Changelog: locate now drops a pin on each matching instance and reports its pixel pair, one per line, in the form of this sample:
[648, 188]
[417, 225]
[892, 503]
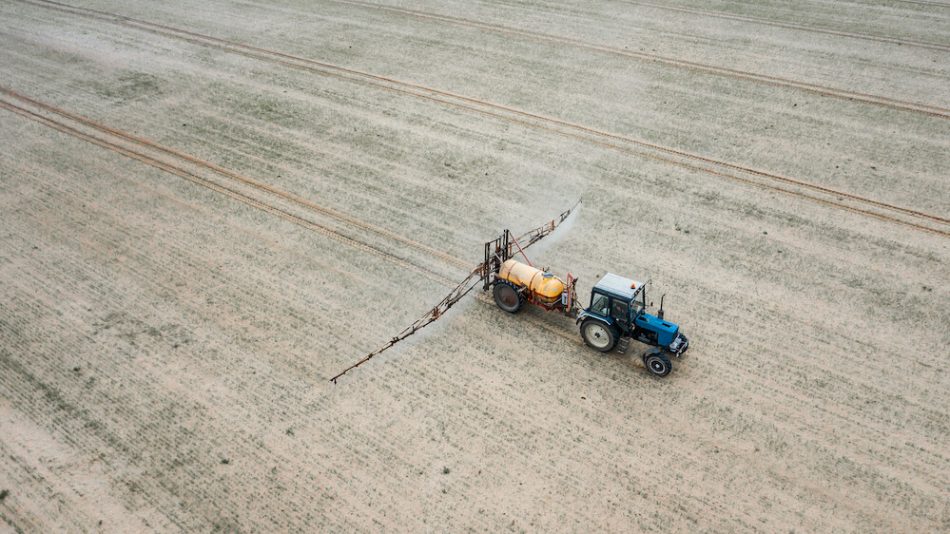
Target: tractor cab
[614, 299]
[618, 310]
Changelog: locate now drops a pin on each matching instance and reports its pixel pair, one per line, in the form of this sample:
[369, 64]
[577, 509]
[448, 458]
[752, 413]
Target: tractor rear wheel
[507, 297]
[657, 363]
[598, 335]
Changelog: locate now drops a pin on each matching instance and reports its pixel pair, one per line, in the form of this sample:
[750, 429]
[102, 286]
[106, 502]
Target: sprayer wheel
[507, 297]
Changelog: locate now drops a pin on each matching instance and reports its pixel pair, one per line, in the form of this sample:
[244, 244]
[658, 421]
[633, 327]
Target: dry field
[207, 209]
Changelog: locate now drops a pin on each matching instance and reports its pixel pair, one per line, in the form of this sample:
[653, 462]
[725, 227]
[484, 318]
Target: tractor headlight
[679, 345]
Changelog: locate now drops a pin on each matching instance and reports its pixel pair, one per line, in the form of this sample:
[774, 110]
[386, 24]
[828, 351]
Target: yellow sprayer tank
[545, 287]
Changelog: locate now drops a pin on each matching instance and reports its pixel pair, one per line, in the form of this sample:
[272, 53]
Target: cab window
[599, 304]
[619, 310]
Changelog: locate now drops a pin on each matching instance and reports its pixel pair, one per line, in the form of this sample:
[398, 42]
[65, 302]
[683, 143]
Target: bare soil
[195, 235]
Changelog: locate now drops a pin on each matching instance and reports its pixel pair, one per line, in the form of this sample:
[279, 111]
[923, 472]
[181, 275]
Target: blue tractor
[617, 314]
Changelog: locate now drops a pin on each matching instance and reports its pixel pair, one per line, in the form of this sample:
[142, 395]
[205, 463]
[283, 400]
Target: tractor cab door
[612, 310]
[620, 311]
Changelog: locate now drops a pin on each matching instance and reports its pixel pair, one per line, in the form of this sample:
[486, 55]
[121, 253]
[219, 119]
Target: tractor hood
[665, 330]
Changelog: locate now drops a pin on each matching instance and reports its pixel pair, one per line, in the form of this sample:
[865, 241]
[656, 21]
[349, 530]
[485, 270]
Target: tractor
[616, 315]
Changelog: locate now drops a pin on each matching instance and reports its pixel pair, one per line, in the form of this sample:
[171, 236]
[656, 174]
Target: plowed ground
[195, 236]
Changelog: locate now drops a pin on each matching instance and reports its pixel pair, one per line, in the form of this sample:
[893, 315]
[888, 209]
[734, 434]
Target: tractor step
[622, 345]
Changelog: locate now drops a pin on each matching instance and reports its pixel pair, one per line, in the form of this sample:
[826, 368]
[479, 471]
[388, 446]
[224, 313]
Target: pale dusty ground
[152, 329]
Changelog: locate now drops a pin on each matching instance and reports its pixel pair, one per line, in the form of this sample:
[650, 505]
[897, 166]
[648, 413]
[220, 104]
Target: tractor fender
[581, 315]
[584, 314]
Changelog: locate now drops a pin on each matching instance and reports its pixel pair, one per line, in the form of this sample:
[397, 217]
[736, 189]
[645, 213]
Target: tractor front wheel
[657, 363]
[507, 297]
[598, 335]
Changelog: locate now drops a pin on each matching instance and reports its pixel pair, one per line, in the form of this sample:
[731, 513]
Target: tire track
[248, 200]
[241, 197]
[923, 3]
[451, 260]
[687, 160]
[228, 191]
[793, 26]
[936, 111]
[296, 199]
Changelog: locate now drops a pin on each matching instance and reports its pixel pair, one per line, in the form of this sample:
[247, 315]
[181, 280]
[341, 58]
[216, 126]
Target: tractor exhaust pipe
[660, 313]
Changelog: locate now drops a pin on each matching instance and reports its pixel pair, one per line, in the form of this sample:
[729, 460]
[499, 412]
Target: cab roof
[619, 286]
